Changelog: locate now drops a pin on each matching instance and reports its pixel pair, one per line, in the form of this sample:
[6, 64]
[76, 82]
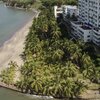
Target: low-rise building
[70, 10]
[80, 31]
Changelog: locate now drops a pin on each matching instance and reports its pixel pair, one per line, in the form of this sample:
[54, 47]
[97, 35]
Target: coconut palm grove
[54, 64]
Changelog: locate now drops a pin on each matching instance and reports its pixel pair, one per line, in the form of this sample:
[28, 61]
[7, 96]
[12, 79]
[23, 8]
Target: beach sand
[13, 48]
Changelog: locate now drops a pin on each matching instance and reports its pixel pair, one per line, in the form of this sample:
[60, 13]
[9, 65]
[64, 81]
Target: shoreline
[13, 33]
[11, 49]
[20, 8]
[88, 95]
[14, 88]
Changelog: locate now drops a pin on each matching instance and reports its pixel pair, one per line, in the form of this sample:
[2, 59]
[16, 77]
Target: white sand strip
[12, 48]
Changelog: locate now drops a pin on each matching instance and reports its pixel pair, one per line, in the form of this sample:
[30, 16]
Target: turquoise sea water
[11, 20]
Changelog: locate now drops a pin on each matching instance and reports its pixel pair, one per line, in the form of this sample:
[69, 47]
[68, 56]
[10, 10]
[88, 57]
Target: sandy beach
[13, 48]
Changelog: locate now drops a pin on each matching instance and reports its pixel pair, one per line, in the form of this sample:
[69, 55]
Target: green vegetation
[53, 64]
[20, 3]
[8, 75]
[37, 3]
[58, 2]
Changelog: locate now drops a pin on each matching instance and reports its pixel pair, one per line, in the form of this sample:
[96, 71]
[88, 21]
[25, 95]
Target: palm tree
[88, 67]
[68, 85]
[8, 75]
[37, 86]
[56, 32]
[58, 55]
[69, 70]
[79, 87]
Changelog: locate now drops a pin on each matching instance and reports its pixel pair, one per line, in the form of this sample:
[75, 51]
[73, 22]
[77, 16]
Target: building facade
[89, 14]
[87, 28]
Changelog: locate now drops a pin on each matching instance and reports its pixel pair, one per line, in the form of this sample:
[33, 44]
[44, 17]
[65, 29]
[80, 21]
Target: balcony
[96, 42]
[96, 32]
[85, 27]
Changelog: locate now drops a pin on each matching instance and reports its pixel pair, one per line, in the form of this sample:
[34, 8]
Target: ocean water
[12, 20]
[6, 94]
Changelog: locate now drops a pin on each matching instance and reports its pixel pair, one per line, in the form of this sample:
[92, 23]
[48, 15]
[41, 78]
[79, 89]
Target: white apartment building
[89, 12]
[87, 27]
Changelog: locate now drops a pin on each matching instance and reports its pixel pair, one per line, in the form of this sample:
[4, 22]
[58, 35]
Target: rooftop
[70, 7]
